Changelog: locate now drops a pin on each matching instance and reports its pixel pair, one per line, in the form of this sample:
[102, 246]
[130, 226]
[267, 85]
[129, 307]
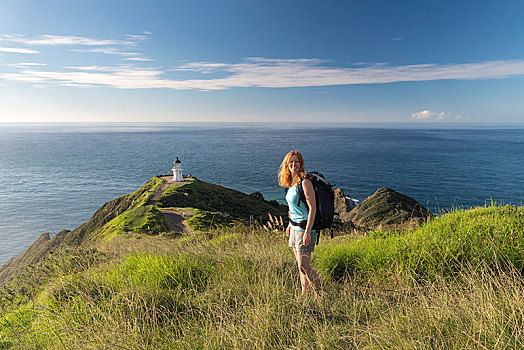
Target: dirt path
[167, 182]
[160, 191]
[176, 221]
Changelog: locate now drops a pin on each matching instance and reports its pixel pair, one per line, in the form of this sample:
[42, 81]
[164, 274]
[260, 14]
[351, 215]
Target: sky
[262, 61]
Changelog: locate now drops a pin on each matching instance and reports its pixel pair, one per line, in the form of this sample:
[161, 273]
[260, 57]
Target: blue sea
[55, 176]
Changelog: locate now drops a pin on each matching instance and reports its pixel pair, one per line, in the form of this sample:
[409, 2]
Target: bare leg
[308, 276]
[303, 277]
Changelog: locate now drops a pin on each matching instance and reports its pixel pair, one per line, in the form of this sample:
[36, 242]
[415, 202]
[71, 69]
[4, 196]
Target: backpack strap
[301, 194]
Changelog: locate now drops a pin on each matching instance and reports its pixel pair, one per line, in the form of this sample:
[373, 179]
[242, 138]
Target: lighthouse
[177, 170]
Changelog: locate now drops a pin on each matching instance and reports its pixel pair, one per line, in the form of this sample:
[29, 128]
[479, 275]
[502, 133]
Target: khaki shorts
[296, 240]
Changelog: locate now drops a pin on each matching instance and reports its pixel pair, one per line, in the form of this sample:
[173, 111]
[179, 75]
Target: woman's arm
[311, 201]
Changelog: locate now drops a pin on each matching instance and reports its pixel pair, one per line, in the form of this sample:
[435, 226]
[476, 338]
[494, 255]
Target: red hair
[285, 178]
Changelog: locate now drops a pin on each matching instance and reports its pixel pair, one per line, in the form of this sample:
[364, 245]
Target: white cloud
[76, 85]
[423, 115]
[138, 59]
[443, 115]
[17, 50]
[426, 115]
[63, 40]
[281, 73]
[123, 77]
[398, 38]
[21, 77]
[107, 51]
[203, 67]
[78, 43]
[138, 38]
[25, 64]
[268, 73]
[98, 68]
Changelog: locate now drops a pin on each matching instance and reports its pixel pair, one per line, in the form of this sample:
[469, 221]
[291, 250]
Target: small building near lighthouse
[177, 170]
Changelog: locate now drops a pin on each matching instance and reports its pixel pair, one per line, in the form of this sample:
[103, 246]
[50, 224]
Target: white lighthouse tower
[177, 170]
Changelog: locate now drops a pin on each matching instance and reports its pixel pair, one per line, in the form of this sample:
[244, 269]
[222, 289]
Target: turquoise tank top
[297, 212]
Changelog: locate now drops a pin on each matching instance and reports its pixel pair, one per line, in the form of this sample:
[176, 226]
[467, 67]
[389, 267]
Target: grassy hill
[71, 239]
[211, 198]
[203, 205]
[454, 282]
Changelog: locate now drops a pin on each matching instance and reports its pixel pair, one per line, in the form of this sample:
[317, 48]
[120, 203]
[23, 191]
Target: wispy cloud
[138, 59]
[55, 40]
[127, 49]
[25, 64]
[98, 68]
[397, 38]
[123, 77]
[17, 50]
[281, 73]
[107, 51]
[138, 38]
[250, 72]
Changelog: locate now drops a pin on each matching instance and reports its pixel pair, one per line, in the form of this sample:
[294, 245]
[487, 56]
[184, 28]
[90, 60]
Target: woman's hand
[307, 238]
[287, 231]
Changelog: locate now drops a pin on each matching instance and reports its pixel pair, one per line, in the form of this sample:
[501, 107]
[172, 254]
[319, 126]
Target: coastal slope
[200, 206]
[453, 282]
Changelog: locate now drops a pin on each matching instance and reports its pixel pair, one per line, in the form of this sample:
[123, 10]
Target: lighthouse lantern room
[177, 170]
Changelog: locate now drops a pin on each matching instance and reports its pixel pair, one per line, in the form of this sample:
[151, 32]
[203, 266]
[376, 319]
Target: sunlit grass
[440, 247]
[455, 283]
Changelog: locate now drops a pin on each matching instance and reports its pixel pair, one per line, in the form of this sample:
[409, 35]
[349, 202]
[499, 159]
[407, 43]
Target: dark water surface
[54, 177]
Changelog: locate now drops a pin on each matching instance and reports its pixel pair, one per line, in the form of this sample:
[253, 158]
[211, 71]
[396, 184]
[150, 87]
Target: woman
[302, 240]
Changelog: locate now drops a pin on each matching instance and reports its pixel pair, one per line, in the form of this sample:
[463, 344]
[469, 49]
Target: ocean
[55, 176]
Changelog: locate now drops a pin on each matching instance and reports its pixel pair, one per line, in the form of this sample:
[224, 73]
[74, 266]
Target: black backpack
[325, 199]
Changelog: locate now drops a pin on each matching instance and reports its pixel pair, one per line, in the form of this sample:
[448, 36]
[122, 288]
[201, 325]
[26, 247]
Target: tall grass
[440, 247]
[240, 289]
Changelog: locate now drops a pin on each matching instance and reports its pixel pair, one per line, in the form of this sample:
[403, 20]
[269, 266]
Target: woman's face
[294, 164]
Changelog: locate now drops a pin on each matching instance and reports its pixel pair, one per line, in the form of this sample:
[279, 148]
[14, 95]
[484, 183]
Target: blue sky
[261, 61]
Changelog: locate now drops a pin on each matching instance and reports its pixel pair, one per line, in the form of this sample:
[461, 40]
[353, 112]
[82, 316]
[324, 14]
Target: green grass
[126, 213]
[174, 188]
[154, 222]
[492, 235]
[142, 195]
[142, 219]
[184, 211]
[201, 220]
[204, 220]
[455, 283]
[212, 198]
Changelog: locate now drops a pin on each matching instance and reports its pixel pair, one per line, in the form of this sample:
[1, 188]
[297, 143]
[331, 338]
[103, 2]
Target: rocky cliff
[387, 208]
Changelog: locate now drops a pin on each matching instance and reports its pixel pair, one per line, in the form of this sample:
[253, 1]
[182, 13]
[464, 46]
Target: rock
[343, 205]
[387, 208]
[257, 195]
[33, 255]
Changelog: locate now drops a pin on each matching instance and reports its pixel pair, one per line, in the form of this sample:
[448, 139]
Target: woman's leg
[303, 276]
[307, 272]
